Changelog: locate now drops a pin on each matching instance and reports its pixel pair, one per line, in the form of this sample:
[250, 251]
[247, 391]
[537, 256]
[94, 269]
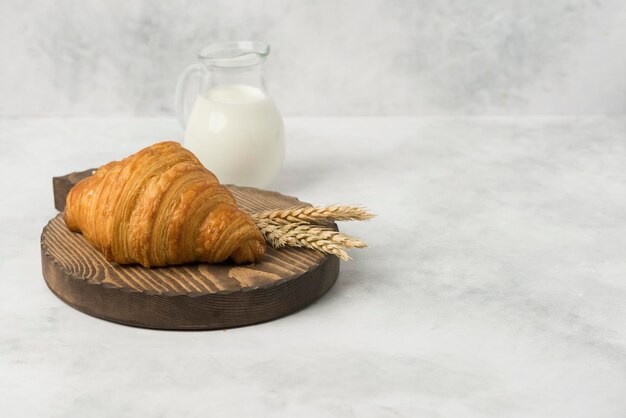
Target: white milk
[237, 133]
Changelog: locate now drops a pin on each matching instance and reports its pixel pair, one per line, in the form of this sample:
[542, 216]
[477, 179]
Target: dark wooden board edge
[210, 311]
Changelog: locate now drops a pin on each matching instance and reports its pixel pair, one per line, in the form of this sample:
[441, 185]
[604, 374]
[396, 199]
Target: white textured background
[355, 57]
[494, 285]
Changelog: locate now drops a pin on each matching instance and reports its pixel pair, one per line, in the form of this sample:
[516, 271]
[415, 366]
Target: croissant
[161, 207]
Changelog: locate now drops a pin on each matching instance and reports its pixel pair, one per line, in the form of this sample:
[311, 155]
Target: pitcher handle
[180, 104]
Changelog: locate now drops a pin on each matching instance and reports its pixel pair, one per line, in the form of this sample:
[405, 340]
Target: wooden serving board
[187, 297]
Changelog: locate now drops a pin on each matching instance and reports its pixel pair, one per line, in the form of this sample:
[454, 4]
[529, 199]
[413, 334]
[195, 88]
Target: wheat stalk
[303, 230]
[295, 228]
[277, 238]
[302, 234]
[313, 214]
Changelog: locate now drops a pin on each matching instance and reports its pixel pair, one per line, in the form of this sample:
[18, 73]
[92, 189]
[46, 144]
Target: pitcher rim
[232, 53]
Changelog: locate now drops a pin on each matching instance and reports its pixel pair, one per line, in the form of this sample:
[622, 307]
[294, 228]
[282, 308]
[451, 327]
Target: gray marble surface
[349, 57]
[494, 286]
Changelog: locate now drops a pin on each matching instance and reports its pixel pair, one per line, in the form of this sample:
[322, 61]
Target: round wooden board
[191, 296]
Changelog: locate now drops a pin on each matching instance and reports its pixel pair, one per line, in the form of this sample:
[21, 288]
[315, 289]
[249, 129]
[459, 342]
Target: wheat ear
[303, 230]
[313, 214]
[316, 237]
[296, 227]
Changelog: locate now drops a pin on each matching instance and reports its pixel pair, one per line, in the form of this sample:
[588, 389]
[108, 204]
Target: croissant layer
[160, 207]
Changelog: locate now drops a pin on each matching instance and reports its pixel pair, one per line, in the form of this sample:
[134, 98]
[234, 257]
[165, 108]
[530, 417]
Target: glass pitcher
[233, 127]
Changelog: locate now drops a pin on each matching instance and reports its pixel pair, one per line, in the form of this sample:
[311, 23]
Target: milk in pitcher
[237, 133]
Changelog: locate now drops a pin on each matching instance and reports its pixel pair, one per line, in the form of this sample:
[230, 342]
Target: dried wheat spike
[301, 234]
[313, 214]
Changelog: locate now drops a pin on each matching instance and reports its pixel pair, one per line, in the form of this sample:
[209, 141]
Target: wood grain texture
[191, 296]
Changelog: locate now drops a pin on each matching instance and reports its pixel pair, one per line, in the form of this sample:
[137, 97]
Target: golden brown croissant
[160, 207]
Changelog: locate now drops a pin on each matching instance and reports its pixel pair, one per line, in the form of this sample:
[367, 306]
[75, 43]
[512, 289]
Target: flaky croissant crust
[161, 207]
